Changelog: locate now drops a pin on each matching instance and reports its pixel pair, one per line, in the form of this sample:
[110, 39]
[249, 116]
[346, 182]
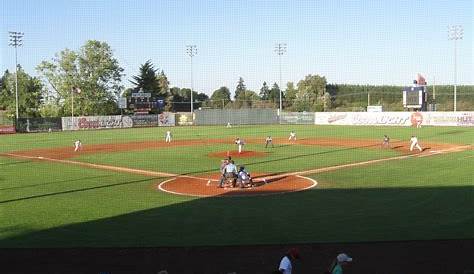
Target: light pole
[16, 40]
[74, 90]
[455, 33]
[280, 49]
[191, 50]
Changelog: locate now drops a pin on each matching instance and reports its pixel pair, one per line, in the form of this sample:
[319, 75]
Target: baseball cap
[343, 258]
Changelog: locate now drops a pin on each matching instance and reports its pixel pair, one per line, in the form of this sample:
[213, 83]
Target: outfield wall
[461, 118]
[297, 118]
[96, 122]
[252, 116]
[117, 121]
[244, 117]
[39, 124]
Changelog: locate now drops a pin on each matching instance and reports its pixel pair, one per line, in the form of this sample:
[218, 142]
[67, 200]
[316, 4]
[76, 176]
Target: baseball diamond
[126, 182]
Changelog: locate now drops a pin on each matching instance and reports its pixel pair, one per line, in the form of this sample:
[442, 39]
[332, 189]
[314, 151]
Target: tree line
[92, 77]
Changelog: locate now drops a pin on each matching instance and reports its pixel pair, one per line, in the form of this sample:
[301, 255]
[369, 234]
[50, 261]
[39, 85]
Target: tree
[220, 97]
[290, 94]
[246, 99]
[311, 92]
[264, 91]
[30, 94]
[94, 70]
[147, 79]
[274, 94]
[240, 87]
[163, 83]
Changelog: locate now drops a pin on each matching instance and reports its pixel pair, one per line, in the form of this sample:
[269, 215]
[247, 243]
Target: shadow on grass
[56, 182]
[14, 163]
[237, 224]
[75, 190]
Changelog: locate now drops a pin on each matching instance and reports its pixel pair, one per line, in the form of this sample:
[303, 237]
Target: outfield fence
[96, 122]
[462, 118]
[235, 116]
[298, 118]
[6, 123]
[39, 124]
[239, 117]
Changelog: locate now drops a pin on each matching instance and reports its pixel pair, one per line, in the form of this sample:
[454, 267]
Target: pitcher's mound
[236, 154]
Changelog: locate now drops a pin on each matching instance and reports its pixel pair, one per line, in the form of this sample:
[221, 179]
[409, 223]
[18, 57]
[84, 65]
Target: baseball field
[128, 188]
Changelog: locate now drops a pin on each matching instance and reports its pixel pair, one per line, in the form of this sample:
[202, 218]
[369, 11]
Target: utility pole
[16, 40]
[455, 33]
[280, 49]
[191, 50]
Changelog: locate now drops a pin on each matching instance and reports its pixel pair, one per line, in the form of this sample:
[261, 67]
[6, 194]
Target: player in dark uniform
[268, 141]
[386, 141]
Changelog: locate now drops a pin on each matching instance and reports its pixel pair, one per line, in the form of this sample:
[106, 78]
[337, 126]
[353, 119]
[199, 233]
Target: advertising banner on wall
[150, 120]
[166, 119]
[363, 118]
[96, 122]
[7, 129]
[299, 118]
[461, 118]
[414, 119]
[184, 119]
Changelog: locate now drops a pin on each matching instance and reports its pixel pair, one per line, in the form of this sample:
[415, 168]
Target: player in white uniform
[240, 143]
[292, 136]
[77, 145]
[414, 143]
[268, 141]
[168, 137]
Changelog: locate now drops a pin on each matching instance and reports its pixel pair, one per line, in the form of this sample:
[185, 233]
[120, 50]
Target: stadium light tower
[455, 33]
[191, 50]
[16, 40]
[280, 49]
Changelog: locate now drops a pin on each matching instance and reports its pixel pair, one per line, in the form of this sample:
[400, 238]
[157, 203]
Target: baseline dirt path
[236, 154]
[206, 185]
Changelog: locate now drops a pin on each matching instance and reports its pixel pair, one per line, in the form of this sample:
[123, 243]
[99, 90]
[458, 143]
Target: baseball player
[168, 137]
[240, 143]
[223, 170]
[77, 145]
[231, 172]
[292, 136]
[414, 143]
[386, 141]
[268, 141]
[243, 178]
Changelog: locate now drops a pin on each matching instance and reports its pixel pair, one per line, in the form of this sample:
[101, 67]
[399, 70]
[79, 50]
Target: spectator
[286, 263]
[341, 260]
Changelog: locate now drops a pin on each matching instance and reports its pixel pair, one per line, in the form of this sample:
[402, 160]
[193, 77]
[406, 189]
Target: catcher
[243, 178]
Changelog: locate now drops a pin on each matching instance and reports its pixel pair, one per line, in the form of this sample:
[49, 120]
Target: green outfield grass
[46, 204]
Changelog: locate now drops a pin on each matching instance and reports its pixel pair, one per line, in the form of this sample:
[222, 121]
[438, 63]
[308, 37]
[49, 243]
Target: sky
[371, 42]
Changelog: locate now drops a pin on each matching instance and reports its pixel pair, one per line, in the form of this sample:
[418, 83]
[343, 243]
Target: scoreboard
[415, 97]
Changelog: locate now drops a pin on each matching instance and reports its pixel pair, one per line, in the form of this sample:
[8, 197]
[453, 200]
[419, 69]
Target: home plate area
[208, 185]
